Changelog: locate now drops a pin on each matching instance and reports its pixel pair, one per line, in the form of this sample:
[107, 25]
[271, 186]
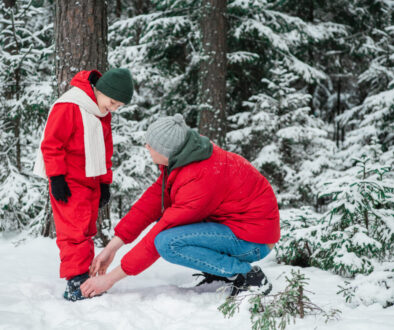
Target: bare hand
[101, 262]
[96, 285]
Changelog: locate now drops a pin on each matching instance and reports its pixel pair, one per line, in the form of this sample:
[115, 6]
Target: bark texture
[212, 121]
[81, 31]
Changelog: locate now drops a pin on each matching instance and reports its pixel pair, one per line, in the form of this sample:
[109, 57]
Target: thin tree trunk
[300, 302]
[16, 88]
[118, 9]
[212, 120]
[17, 134]
[120, 207]
[17, 126]
[141, 6]
[48, 230]
[9, 3]
[337, 127]
[311, 87]
[103, 225]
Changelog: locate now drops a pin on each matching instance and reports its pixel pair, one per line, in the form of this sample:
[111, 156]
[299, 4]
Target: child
[75, 155]
[217, 214]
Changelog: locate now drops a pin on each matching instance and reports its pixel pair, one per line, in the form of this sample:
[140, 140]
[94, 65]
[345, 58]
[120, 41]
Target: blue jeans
[209, 247]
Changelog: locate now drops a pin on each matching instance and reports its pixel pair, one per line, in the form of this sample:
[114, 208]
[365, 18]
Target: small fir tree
[278, 310]
[300, 234]
[358, 228]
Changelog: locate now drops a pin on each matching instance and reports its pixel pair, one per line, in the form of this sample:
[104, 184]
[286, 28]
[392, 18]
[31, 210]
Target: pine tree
[277, 311]
[358, 227]
[300, 235]
[285, 143]
[25, 57]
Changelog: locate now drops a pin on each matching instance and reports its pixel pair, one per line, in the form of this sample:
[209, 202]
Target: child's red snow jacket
[221, 187]
[63, 145]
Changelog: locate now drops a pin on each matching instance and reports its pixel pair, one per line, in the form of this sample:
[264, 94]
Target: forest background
[302, 89]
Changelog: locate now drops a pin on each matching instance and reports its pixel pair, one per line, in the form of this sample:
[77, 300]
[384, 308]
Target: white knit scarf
[93, 136]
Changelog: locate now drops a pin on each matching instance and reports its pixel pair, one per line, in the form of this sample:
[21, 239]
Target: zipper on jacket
[163, 185]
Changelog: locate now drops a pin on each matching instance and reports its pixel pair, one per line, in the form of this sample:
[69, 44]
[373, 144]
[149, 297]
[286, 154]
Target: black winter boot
[73, 291]
[255, 281]
[209, 278]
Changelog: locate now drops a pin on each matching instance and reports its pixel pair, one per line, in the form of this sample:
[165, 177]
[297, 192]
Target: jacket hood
[84, 81]
[194, 149]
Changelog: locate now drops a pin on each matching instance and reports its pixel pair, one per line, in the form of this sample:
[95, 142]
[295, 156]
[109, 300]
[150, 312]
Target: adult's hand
[104, 258]
[97, 285]
[101, 262]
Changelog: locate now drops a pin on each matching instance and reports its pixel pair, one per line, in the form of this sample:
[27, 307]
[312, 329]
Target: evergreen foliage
[25, 67]
[358, 227]
[354, 237]
[278, 310]
[288, 145]
[376, 287]
[299, 237]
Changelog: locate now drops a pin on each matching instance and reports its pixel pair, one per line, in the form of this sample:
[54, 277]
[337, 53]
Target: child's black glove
[105, 195]
[60, 189]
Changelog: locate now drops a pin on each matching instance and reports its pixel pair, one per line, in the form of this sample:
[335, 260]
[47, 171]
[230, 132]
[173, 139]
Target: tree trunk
[212, 119]
[103, 226]
[118, 9]
[81, 30]
[48, 230]
[15, 89]
[9, 3]
[311, 86]
[337, 130]
[17, 126]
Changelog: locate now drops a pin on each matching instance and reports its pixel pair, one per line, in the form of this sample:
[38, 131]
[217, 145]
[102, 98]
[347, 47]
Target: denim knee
[162, 243]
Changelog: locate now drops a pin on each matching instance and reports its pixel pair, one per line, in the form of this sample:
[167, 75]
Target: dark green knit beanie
[116, 84]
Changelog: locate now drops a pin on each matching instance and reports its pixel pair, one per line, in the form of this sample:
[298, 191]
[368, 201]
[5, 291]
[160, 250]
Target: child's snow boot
[73, 291]
[255, 281]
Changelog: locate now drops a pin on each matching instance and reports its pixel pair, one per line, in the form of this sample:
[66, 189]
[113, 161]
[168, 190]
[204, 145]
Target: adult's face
[157, 158]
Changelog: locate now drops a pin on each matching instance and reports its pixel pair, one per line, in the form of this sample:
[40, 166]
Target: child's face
[105, 103]
[157, 158]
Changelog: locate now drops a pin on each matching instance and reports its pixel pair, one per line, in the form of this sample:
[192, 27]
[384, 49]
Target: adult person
[215, 213]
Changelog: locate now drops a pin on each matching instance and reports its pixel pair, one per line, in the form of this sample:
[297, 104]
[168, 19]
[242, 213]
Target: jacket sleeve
[109, 150]
[145, 211]
[193, 203]
[58, 130]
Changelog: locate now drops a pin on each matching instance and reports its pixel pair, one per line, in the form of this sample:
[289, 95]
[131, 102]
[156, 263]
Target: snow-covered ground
[159, 298]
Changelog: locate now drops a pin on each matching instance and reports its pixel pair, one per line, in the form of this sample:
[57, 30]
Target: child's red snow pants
[75, 223]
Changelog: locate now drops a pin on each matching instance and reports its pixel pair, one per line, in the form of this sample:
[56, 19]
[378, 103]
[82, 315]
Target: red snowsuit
[224, 188]
[63, 153]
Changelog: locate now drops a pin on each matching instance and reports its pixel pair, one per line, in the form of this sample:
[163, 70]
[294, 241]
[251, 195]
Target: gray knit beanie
[167, 134]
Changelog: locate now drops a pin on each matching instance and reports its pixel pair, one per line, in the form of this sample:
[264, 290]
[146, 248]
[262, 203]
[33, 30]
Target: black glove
[105, 194]
[60, 189]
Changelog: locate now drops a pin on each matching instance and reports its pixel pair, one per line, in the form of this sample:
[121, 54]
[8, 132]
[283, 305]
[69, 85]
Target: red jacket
[63, 145]
[224, 188]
